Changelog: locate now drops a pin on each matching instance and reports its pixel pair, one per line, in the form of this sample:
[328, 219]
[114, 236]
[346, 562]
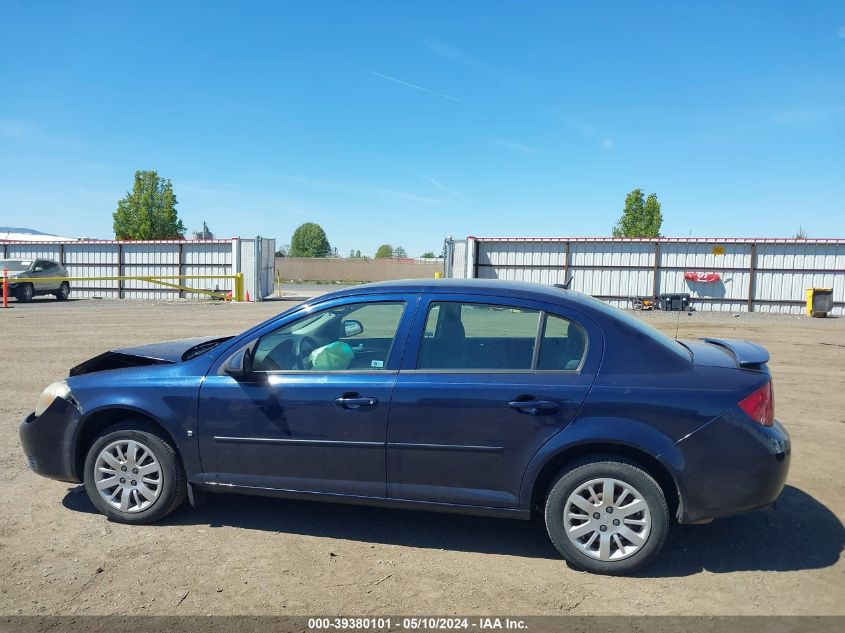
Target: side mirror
[352, 328]
[239, 364]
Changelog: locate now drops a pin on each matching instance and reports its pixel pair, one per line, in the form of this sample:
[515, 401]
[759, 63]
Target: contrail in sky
[414, 86]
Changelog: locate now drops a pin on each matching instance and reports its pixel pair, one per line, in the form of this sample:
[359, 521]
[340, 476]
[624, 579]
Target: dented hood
[141, 355]
[170, 351]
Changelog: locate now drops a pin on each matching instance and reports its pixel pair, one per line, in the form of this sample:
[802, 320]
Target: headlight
[56, 390]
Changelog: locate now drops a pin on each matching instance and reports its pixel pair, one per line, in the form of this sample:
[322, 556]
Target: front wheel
[607, 515]
[63, 292]
[133, 474]
[24, 293]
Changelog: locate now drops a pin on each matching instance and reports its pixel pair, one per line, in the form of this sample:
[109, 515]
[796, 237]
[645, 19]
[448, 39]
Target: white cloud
[455, 55]
[13, 129]
[515, 146]
[450, 53]
[25, 131]
[364, 189]
[589, 131]
[807, 116]
[433, 181]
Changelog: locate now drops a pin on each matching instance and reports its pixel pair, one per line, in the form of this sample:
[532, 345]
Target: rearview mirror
[239, 364]
[352, 327]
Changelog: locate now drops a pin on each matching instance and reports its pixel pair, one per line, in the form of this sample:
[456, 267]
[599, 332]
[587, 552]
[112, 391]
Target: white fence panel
[457, 267]
[774, 272]
[709, 257]
[109, 258]
[204, 258]
[93, 259]
[611, 254]
[33, 250]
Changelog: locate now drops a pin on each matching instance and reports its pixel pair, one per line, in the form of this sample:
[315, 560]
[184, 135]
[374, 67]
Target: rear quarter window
[562, 345]
[641, 328]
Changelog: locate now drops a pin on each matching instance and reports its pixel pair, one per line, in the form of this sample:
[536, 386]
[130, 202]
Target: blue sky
[404, 122]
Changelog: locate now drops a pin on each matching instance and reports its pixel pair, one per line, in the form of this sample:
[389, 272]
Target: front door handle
[355, 402]
[534, 407]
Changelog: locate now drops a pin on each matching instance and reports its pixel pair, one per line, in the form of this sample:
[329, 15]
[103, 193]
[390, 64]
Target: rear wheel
[63, 292]
[133, 474]
[607, 515]
[24, 293]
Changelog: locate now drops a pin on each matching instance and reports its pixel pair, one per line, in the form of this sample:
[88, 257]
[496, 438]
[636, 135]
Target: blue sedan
[482, 397]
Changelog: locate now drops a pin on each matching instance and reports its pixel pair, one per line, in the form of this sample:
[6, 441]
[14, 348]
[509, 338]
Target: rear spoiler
[747, 355]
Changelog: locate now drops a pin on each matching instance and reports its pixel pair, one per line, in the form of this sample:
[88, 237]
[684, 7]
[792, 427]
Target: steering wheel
[302, 348]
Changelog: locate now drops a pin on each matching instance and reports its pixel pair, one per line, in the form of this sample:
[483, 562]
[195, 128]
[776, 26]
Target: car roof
[483, 287]
[28, 259]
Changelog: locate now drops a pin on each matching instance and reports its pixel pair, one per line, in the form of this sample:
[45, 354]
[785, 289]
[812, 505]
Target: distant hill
[21, 234]
[17, 229]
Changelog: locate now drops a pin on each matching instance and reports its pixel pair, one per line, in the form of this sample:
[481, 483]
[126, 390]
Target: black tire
[579, 473]
[173, 483]
[63, 292]
[24, 292]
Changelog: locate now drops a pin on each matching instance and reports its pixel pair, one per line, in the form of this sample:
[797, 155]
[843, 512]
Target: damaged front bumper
[48, 441]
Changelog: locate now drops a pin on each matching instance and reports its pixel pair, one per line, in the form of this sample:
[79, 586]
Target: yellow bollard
[239, 286]
[438, 275]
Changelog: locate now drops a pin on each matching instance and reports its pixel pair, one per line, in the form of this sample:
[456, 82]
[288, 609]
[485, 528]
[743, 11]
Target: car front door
[484, 384]
[38, 270]
[311, 415]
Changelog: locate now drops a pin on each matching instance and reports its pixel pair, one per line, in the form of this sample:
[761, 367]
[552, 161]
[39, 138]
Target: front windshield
[16, 265]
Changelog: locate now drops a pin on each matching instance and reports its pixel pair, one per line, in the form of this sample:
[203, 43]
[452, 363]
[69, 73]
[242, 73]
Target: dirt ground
[249, 555]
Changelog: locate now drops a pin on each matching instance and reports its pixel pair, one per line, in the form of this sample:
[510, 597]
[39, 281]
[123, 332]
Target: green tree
[352, 253]
[309, 240]
[428, 255]
[384, 251]
[148, 212]
[400, 252]
[640, 218]
[358, 254]
[801, 234]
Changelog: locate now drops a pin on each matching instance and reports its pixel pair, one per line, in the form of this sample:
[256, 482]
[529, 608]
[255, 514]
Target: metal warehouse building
[254, 257]
[762, 275]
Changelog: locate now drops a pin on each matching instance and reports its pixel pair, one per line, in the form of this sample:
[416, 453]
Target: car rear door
[484, 383]
[51, 270]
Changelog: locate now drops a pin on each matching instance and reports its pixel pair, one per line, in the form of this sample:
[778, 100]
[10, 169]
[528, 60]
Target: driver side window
[357, 336]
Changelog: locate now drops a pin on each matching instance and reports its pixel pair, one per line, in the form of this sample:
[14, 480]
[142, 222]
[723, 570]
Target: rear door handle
[355, 402]
[534, 407]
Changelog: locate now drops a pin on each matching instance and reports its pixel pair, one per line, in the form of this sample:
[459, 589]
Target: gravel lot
[265, 556]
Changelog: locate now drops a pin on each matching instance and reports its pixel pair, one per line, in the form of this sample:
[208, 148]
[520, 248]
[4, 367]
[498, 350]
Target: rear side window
[484, 337]
[475, 336]
[562, 345]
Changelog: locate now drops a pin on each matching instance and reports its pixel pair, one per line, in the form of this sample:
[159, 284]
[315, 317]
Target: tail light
[760, 405]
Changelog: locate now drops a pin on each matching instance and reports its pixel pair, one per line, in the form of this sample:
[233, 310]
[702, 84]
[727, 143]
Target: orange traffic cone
[247, 296]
